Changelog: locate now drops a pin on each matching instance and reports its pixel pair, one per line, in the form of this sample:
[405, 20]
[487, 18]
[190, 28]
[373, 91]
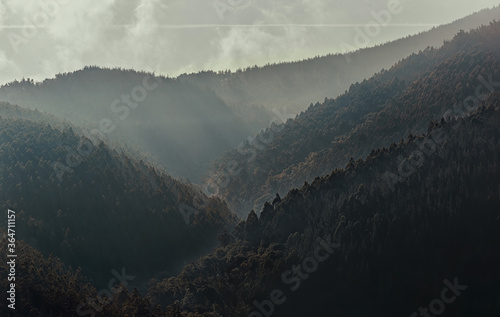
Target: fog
[42, 38]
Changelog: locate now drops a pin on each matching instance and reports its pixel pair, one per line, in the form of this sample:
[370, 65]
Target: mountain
[95, 207]
[372, 114]
[46, 287]
[181, 126]
[355, 243]
[381, 201]
[294, 85]
[348, 238]
[184, 123]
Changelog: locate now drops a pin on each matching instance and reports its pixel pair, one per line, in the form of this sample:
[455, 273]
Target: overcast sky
[40, 38]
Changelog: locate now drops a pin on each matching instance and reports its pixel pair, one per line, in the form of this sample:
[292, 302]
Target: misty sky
[43, 37]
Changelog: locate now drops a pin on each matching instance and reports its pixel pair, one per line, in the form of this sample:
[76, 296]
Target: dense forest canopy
[102, 207]
[390, 243]
[381, 201]
[374, 113]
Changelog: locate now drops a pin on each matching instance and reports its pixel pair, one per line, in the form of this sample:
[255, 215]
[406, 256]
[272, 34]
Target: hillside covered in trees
[374, 113]
[96, 208]
[355, 243]
[49, 288]
[383, 201]
[181, 127]
[393, 244]
[184, 123]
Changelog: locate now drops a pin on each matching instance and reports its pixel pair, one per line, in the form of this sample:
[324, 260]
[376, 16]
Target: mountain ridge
[374, 113]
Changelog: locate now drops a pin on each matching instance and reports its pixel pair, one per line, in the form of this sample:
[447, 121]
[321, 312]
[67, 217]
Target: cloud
[143, 38]
[189, 35]
[3, 10]
[256, 45]
[6, 65]
[77, 30]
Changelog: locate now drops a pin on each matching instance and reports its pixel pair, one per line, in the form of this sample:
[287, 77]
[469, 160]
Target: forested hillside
[186, 122]
[49, 288]
[98, 209]
[392, 245]
[383, 200]
[374, 113]
[180, 125]
[355, 243]
[14, 112]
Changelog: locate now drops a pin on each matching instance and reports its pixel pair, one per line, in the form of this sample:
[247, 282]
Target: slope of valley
[382, 201]
[49, 288]
[184, 123]
[375, 113]
[180, 126]
[386, 244]
[97, 208]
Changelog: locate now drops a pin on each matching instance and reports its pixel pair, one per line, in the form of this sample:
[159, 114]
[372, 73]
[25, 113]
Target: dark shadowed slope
[46, 287]
[355, 243]
[98, 209]
[363, 245]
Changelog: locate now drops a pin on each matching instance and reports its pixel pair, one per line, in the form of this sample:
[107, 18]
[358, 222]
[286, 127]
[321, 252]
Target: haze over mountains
[184, 123]
[104, 206]
[295, 85]
[367, 202]
[181, 126]
[43, 38]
